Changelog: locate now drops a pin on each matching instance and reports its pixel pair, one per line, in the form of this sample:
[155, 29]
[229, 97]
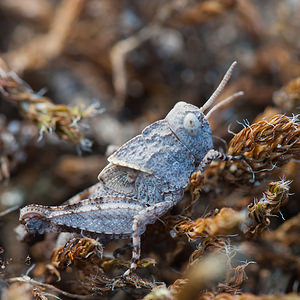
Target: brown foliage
[48, 117]
[265, 146]
[139, 58]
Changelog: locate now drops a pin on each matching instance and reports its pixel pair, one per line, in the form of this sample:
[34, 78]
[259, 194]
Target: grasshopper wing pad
[119, 179]
[132, 154]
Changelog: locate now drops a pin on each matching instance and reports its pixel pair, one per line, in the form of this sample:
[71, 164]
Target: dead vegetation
[236, 233]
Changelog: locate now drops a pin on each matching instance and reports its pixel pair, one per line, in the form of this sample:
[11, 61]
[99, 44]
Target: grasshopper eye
[191, 124]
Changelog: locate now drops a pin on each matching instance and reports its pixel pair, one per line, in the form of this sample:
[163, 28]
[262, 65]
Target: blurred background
[132, 61]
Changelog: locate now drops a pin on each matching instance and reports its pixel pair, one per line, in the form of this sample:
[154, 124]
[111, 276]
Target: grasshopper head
[192, 128]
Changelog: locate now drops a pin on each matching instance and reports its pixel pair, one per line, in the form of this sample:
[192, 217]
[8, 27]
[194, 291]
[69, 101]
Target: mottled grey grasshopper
[144, 178]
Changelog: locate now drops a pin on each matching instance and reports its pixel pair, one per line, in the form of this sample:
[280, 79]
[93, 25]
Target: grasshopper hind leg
[146, 216]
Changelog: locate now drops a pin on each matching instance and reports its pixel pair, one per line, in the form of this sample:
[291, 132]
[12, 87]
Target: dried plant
[273, 199]
[168, 13]
[43, 48]
[288, 97]
[81, 250]
[141, 57]
[15, 136]
[61, 119]
[247, 296]
[265, 146]
[86, 255]
[228, 221]
[206, 270]
[204, 11]
[286, 234]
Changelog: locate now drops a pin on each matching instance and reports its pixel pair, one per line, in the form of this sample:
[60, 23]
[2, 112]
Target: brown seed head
[265, 145]
[227, 221]
[269, 205]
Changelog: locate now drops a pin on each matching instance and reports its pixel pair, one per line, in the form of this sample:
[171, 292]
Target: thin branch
[39, 51]
[122, 48]
[27, 279]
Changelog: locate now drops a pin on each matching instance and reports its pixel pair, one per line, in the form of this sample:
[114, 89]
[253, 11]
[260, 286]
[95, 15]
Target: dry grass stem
[42, 49]
[46, 286]
[175, 11]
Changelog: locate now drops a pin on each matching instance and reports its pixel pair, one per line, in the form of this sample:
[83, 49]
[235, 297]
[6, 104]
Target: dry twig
[50, 287]
[182, 11]
[38, 52]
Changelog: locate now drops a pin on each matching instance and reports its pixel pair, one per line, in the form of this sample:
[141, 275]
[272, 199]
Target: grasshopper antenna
[219, 89]
[224, 102]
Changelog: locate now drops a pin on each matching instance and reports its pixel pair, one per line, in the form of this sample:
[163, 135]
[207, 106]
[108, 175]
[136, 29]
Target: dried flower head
[226, 221]
[229, 221]
[76, 249]
[269, 205]
[234, 279]
[93, 271]
[265, 146]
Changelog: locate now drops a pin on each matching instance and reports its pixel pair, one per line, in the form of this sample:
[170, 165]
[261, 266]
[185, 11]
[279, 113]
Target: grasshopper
[145, 177]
